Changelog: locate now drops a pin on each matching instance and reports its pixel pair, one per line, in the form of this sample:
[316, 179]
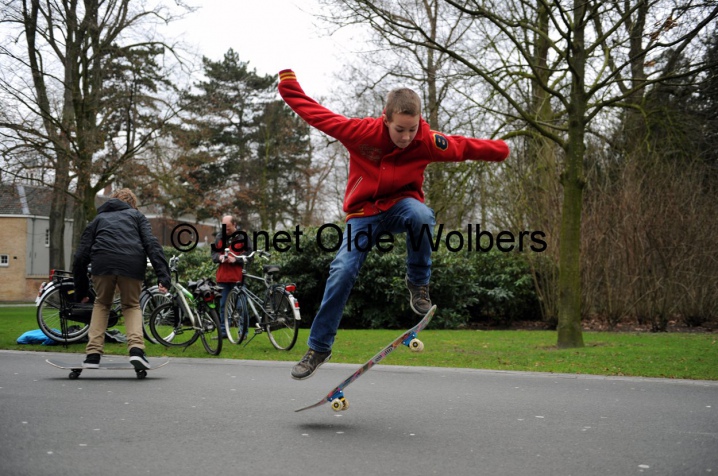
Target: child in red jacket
[384, 195]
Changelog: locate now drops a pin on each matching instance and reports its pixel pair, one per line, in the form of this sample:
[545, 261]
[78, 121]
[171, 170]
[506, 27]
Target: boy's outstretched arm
[316, 115]
[459, 148]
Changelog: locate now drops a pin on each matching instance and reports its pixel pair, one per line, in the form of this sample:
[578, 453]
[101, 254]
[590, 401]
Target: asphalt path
[219, 416]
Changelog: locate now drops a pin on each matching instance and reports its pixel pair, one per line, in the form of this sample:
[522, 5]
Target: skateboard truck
[414, 344]
[338, 401]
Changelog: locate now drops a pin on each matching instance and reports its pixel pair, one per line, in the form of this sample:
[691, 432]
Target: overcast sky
[269, 34]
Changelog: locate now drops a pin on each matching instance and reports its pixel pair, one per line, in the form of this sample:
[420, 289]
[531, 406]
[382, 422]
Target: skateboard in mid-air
[76, 369]
[408, 338]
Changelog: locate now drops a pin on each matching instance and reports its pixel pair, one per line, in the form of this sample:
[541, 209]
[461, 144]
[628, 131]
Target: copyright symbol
[184, 237]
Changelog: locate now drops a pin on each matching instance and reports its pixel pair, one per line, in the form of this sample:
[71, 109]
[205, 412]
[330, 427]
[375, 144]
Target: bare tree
[82, 93]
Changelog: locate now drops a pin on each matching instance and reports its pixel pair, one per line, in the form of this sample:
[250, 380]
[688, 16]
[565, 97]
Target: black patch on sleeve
[440, 141]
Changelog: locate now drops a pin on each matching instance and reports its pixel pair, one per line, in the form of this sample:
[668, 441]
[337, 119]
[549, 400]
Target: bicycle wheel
[150, 299]
[49, 317]
[170, 327]
[210, 335]
[236, 316]
[282, 329]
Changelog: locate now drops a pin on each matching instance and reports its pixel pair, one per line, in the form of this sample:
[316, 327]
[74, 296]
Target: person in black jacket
[117, 243]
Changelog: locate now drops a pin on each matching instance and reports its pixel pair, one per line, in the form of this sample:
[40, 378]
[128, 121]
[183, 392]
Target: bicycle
[277, 314]
[65, 321]
[189, 315]
[150, 299]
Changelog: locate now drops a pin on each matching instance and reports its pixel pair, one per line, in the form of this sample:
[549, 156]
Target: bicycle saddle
[271, 268]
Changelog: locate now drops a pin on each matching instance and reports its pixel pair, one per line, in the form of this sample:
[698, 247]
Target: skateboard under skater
[76, 369]
[408, 338]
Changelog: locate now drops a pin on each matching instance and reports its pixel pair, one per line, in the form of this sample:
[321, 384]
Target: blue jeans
[408, 216]
[226, 288]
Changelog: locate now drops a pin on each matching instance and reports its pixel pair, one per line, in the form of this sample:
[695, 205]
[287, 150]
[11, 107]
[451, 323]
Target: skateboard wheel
[415, 345]
[337, 405]
[345, 404]
[74, 375]
[141, 374]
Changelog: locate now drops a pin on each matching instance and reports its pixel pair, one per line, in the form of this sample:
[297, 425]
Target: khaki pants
[130, 290]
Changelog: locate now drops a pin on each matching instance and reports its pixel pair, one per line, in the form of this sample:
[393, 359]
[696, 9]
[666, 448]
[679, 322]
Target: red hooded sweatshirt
[380, 173]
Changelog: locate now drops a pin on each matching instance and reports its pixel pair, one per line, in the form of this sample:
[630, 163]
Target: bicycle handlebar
[246, 258]
[173, 261]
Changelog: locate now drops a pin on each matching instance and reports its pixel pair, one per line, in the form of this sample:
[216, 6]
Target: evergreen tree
[241, 150]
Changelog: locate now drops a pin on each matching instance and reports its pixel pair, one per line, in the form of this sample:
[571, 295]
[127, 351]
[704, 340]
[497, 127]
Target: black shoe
[92, 361]
[418, 297]
[309, 363]
[138, 359]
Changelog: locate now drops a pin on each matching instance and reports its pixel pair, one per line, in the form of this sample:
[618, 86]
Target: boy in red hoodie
[384, 195]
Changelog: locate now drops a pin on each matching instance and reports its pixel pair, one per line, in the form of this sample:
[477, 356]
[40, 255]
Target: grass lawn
[666, 355]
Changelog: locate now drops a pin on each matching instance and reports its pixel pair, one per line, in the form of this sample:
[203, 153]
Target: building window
[47, 237]
[4, 260]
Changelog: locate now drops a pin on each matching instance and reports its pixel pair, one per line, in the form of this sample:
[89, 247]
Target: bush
[469, 287]
[192, 265]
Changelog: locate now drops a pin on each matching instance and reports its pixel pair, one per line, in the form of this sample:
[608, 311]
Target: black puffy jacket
[118, 242]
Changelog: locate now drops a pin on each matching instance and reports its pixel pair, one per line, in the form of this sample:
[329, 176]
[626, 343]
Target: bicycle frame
[254, 299]
[181, 295]
[268, 281]
[276, 313]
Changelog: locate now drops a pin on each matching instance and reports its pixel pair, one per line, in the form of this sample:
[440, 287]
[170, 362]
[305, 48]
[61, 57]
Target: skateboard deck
[76, 369]
[408, 338]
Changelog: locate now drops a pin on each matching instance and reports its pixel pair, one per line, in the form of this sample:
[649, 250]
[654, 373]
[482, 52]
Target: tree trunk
[569, 281]
[436, 183]
[58, 207]
[634, 122]
[84, 208]
[573, 181]
[59, 139]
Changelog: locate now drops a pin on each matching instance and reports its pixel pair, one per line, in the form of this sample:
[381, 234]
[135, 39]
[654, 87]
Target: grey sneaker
[418, 297]
[138, 359]
[92, 361]
[309, 363]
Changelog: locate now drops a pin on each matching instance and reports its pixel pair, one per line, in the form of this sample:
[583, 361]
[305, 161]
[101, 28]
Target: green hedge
[469, 287]
[192, 265]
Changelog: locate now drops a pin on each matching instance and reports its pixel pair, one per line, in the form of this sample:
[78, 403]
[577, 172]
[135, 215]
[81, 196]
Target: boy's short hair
[402, 101]
[126, 195]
